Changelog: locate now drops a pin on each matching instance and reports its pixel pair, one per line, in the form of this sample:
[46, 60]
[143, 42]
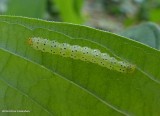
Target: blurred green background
[111, 15]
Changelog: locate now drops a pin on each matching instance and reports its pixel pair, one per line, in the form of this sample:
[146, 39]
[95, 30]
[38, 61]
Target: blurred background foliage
[110, 15]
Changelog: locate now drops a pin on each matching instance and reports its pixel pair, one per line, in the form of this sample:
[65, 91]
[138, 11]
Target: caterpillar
[81, 53]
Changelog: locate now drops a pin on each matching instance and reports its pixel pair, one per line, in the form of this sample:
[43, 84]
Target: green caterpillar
[81, 53]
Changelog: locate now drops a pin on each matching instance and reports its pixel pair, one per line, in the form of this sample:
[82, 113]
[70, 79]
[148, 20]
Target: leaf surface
[53, 85]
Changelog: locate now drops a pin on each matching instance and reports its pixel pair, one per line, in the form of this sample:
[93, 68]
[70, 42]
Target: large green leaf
[49, 84]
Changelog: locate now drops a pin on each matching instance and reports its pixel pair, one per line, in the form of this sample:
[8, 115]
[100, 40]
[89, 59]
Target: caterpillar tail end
[29, 41]
[131, 68]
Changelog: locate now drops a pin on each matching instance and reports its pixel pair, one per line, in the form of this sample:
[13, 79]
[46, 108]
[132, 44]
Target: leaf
[53, 85]
[154, 12]
[147, 33]
[70, 10]
[29, 8]
[78, 4]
